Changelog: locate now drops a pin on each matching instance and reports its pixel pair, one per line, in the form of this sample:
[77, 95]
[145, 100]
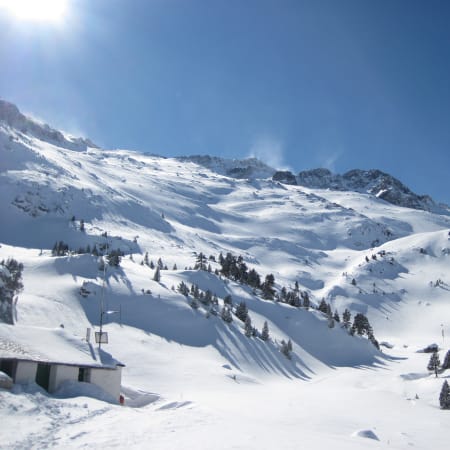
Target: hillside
[189, 370]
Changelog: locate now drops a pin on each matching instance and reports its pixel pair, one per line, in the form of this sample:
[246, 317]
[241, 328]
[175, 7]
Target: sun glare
[36, 10]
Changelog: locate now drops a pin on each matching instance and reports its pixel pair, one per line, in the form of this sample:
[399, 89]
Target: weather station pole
[102, 298]
[103, 336]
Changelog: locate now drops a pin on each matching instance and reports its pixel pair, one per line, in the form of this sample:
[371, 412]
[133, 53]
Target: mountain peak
[235, 168]
[13, 118]
[373, 181]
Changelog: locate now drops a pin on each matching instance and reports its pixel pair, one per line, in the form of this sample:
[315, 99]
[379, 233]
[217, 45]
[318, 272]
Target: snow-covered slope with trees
[187, 240]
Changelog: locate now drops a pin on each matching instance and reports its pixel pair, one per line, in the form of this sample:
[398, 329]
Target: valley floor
[394, 405]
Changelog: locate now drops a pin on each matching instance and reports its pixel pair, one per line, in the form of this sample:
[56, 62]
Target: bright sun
[36, 10]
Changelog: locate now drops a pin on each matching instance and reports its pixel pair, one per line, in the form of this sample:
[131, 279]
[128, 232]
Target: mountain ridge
[373, 181]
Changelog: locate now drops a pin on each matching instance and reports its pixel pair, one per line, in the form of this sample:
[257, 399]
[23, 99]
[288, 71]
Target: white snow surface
[191, 380]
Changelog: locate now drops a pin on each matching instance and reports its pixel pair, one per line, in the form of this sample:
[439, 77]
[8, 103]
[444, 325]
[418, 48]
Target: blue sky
[301, 84]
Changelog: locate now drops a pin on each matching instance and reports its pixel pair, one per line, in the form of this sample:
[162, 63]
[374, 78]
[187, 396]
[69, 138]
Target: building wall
[108, 380]
[25, 372]
[59, 374]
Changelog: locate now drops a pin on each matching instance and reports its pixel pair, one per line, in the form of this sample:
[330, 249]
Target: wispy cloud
[329, 161]
[269, 150]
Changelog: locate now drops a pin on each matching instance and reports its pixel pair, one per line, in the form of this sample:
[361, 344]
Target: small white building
[52, 357]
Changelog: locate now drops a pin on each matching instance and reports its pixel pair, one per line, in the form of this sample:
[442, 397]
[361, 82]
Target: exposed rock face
[12, 117]
[235, 168]
[374, 182]
[285, 177]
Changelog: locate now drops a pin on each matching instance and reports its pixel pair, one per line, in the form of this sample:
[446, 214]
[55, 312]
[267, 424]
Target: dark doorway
[43, 375]
[8, 366]
[84, 374]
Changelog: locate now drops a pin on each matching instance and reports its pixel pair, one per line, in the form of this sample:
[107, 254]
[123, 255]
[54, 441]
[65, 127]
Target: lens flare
[36, 10]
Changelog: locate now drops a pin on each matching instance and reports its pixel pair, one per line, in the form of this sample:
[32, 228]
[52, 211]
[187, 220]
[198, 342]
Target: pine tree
[194, 303]
[444, 397]
[306, 300]
[361, 325]
[196, 291]
[336, 316]
[323, 306]
[114, 257]
[242, 311]
[10, 285]
[226, 314]
[157, 275]
[346, 318]
[200, 262]
[248, 329]
[434, 363]
[284, 348]
[253, 279]
[146, 261]
[183, 289]
[265, 331]
[446, 363]
[268, 291]
[207, 299]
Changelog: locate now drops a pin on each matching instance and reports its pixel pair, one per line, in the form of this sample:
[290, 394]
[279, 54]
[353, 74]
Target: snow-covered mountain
[12, 117]
[340, 239]
[374, 182]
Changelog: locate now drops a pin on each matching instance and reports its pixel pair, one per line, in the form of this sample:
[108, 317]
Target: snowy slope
[193, 375]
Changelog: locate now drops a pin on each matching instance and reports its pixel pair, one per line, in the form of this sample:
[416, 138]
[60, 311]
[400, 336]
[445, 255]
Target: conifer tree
[434, 363]
[265, 331]
[10, 285]
[242, 311]
[226, 314]
[361, 325]
[200, 262]
[194, 303]
[248, 329]
[196, 293]
[446, 363]
[286, 348]
[207, 298]
[323, 306]
[253, 279]
[306, 300]
[114, 257]
[157, 275]
[268, 291]
[444, 397]
[183, 289]
[346, 318]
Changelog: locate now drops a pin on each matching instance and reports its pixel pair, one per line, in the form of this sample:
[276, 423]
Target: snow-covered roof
[51, 346]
